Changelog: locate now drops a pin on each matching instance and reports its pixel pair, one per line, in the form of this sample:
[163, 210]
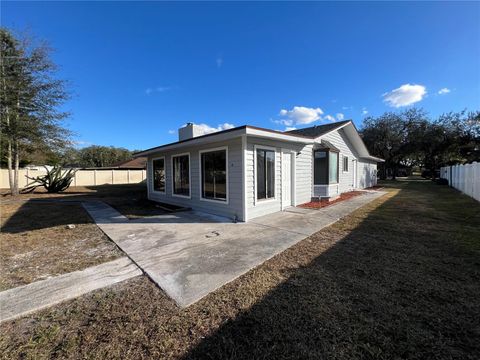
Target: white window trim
[225, 148]
[153, 175]
[189, 177]
[343, 164]
[262, 147]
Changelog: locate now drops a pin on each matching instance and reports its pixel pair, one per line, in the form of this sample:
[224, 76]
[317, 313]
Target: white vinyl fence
[465, 178]
[82, 177]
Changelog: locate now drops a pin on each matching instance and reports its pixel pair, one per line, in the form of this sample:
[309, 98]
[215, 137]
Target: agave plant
[55, 180]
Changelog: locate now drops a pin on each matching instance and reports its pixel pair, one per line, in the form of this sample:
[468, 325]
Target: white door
[287, 175]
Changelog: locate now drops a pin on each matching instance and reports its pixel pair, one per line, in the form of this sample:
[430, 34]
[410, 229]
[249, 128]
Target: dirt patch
[324, 203]
[40, 240]
[390, 281]
[130, 200]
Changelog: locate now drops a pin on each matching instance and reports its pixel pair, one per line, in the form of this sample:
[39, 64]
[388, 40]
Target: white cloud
[159, 89]
[207, 129]
[345, 107]
[340, 116]
[171, 132]
[405, 95]
[290, 128]
[364, 111]
[300, 115]
[329, 118]
[443, 91]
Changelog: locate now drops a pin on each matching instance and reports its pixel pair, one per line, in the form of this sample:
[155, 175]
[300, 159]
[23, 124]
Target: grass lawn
[35, 242]
[399, 278]
[130, 200]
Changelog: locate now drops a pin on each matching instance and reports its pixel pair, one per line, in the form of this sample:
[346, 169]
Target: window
[214, 175]
[320, 168]
[325, 167]
[159, 174]
[345, 163]
[181, 175]
[265, 174]
[333, 167]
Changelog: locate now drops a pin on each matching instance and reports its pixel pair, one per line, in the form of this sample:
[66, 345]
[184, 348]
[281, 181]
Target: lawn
[399, 278]
[40, 240]
[130, 200]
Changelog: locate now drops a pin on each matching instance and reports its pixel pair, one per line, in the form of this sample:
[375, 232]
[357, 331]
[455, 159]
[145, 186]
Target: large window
[325, 167]
[265, 174]
[320, 168]
[159, 174]
[181, 175]
[214, 175]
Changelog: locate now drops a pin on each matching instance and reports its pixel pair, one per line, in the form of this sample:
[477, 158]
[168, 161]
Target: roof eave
[228, 135]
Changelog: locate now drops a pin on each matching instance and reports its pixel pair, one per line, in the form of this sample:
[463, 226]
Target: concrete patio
[190, 254]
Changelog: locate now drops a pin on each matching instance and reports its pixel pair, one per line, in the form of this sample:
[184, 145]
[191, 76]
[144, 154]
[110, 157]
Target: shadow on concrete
[389, 289]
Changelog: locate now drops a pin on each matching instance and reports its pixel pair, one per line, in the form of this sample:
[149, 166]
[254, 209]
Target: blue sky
[141, 70]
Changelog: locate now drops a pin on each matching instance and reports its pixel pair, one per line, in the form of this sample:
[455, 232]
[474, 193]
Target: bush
[55, 180]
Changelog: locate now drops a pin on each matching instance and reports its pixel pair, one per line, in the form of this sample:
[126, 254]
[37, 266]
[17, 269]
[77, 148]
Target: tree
[30, 101]
[393, 137]
[101, 156]
[411, 138]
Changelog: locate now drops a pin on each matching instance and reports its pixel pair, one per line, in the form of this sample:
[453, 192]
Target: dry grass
[399, 278]
[130, 200]
[36, 243]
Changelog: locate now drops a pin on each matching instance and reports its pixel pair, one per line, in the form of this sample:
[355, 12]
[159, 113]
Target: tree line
[412, 138]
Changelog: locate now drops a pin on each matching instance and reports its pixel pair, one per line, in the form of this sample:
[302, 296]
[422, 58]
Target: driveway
[190, 254]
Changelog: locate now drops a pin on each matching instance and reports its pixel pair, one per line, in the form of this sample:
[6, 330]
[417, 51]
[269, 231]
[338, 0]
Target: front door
[287, 175]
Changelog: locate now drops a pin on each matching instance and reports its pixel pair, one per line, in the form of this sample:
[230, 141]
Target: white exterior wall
[232, 209]
[303, 176]
[367, 171]
[360, 175]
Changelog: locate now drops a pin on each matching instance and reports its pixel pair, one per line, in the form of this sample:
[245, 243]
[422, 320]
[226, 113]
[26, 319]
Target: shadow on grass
[42, 210]
[400, 284]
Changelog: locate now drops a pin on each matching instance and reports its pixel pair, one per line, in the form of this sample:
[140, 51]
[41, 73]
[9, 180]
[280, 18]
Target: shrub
[55, 180]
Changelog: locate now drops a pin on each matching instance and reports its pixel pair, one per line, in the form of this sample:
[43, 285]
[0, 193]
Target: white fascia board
[372, 158]
[194, 142]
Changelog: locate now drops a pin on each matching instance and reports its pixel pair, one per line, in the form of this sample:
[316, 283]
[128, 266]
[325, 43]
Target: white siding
[367, 171]
[345, 179]
[303, 176]
[234, 208]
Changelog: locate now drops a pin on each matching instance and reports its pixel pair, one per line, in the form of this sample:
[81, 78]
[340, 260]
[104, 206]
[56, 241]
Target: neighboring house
[246, 172]
[137, 163]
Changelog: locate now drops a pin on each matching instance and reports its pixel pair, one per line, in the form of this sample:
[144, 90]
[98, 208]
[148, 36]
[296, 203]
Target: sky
[140, 70]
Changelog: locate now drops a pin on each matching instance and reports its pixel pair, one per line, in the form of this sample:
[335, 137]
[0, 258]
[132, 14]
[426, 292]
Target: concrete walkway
[25, 299]
[190, 254]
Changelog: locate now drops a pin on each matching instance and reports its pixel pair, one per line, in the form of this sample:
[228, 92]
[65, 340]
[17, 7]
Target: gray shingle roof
[317, 130]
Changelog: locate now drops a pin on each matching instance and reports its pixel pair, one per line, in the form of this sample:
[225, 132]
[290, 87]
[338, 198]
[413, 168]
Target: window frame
[153, 175]
[327, 151]
[345, 157]
[200, 167]
[189, 176]
[268, 148]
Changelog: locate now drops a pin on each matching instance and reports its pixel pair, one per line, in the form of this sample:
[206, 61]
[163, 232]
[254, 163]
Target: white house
[246, 172]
